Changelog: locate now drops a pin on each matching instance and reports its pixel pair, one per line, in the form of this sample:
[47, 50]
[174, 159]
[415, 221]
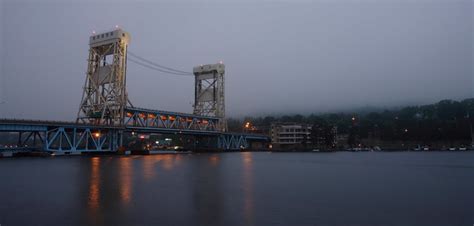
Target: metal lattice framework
[105, 112]
[105, 98]
[232, 142]
[81, 139]
[153, 119]
[209, 93]
[76, 138]
[238, 141]
[63, 137]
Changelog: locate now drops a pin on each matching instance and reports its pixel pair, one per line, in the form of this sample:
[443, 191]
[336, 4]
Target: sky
[281, 56]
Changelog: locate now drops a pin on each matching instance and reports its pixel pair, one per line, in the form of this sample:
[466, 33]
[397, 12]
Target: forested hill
[447, 119]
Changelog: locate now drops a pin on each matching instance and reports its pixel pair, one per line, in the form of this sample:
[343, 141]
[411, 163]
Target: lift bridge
[106, 114]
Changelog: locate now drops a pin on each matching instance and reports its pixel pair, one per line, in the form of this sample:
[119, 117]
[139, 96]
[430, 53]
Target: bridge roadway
[71, 137]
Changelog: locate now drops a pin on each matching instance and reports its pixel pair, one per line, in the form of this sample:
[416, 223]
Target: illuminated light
[116, 26]
[133, 133]
[141, 115]
[97, 134]
[205, 122]
[129, 114]
[142, 137]
[406, 130]
[172, 118]
[151, 116]
[353, 118]
[168, 139]
[157, 142]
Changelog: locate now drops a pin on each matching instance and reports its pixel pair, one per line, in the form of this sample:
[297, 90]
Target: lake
[240, 188]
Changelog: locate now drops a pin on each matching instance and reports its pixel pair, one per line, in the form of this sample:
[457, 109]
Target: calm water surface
[400, 188]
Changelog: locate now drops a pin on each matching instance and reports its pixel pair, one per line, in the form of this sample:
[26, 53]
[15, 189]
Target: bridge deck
[75, 137]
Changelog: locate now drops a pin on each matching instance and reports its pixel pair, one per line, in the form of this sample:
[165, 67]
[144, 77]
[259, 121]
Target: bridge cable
[158, 65]
[156, 69]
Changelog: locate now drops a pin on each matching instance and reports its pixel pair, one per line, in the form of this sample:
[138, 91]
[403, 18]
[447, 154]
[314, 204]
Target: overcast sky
[280, 56]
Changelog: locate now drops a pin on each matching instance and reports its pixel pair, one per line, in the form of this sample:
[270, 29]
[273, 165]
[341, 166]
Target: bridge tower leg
[105, 97]
[209, 93]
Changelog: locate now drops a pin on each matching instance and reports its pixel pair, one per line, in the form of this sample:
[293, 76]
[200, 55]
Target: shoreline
[43, 154]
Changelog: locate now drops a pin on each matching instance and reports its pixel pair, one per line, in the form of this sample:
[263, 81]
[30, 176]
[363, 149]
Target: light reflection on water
[214, 159]
[245, 188]
[149, 165]
[94, 185]
[125, 178]
[247, 180]
[168, 161]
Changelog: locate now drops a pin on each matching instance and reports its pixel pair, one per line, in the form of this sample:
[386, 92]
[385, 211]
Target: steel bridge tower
[209, 98]
[105, 97]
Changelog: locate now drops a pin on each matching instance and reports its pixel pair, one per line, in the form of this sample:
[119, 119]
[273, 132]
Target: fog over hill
[281, 57]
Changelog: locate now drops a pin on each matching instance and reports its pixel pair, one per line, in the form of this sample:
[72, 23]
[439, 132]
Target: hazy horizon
[281, 57]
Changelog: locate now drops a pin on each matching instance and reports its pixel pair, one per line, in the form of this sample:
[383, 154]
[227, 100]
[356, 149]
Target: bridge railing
[29, 122]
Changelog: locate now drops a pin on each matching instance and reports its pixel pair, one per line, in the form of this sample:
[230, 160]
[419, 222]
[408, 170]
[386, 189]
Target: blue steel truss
[232, 142]
[76, 138]
[238, 141]
[81, 139]
[63, 136]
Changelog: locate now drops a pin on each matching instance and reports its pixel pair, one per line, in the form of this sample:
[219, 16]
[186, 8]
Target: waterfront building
[290, 135]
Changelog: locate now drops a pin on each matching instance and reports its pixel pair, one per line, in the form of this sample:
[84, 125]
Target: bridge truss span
[155, 119]
[76, 138]
[63, 136]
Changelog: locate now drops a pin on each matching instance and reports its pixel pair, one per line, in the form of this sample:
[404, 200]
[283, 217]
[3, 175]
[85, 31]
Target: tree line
[447, 120]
